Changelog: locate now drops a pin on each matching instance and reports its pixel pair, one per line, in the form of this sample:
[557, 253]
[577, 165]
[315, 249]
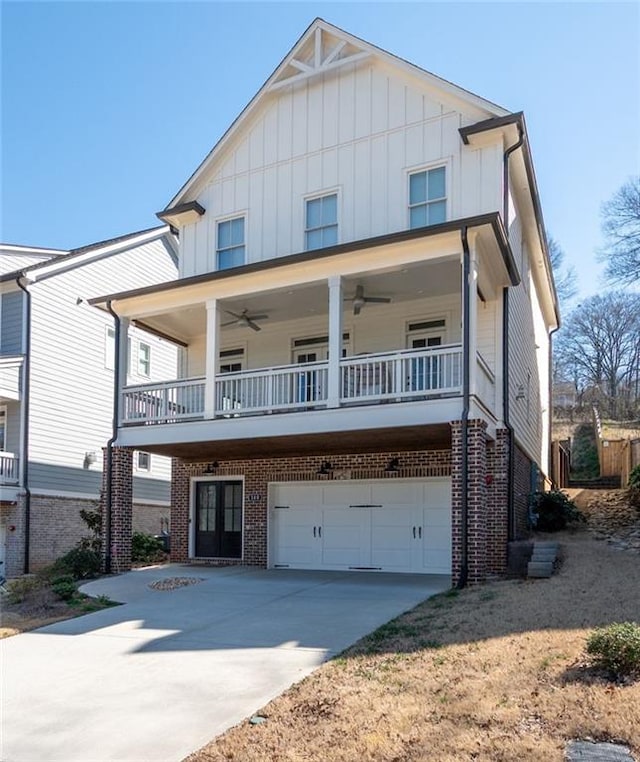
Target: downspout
[550, 454]
[24, 416]
[464, 432]
[511, 516]
[114, 435]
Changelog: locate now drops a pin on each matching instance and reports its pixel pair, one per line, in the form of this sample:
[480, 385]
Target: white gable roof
[324, 47]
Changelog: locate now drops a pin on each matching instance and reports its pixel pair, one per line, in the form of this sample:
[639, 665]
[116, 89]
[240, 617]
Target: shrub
[145, 548]
[93, 520]
[552, 511]
[79, 563]
[634, 478]
[616, 648]
[20, 588]
[64, 587]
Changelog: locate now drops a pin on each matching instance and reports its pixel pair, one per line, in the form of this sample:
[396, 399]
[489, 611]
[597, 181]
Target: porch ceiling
[401, 284]
[433, 437]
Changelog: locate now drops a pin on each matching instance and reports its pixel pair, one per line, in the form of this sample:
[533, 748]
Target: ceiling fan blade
[253, 325]
[356, 308]
[236, 315]
[229, 322]
[359, 292]
[257, 317]
[377, 299]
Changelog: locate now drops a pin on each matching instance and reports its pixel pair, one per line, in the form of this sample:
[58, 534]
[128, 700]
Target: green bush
[79, 563]
[145, 548]
[64, 587]
[552, 511]
[616, 648]
[634, 478]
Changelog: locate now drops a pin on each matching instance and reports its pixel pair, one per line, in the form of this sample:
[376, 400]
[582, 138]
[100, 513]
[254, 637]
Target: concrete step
[539, 569]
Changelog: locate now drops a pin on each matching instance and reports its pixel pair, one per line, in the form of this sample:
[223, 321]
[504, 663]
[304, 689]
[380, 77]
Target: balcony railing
[9, 468]
[393, 376]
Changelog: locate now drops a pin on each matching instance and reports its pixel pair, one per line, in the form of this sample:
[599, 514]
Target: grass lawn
[490, 673]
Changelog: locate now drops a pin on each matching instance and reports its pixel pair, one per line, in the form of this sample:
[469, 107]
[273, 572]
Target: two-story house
[365, 304]
[56, 390]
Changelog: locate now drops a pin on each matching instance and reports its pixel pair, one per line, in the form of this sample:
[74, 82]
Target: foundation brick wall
[497, 502]
[257, 475]
[12, 520]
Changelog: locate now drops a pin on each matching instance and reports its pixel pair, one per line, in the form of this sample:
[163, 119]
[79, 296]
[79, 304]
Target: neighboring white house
[366, 301]
[56, 389]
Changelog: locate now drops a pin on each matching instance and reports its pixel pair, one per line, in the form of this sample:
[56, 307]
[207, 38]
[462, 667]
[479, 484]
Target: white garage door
[402, 525]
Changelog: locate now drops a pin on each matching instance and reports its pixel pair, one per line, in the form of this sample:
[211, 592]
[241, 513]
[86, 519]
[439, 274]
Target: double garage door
[399, 525]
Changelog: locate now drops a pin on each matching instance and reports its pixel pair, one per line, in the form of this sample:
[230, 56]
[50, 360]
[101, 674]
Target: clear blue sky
[108, 107]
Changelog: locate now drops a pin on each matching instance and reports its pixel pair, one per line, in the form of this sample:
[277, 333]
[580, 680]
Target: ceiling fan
[244, 319]
[359, 300]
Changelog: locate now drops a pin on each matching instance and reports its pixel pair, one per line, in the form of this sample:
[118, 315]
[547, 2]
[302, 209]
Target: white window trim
[244, 213]
[109, 352]
[444, 162]
[425, 332]
[136, 462]
[192, 510]
[337, 191]
[139, 371]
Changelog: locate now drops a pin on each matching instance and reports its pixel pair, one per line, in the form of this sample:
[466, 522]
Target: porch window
[144, 359]
[427, 198]
[230, 248]
[321, 222]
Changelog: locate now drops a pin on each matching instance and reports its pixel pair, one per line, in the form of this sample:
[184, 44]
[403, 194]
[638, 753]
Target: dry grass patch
[492, 673]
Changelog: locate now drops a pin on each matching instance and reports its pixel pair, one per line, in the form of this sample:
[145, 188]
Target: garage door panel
[400, 526]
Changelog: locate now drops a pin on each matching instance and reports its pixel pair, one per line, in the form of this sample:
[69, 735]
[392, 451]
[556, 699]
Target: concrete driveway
[157, 678]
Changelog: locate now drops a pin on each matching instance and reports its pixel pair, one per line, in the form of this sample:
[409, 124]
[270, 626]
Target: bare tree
[564, 277]
[599, 347]
[621, 227]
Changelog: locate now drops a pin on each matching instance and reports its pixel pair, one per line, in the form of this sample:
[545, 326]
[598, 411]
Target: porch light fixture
[89, 459]
[325, 468]
[392, 466]
[211, 467]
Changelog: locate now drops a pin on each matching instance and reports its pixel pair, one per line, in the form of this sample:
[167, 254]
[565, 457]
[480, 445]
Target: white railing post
[335, 341]
[212, 352]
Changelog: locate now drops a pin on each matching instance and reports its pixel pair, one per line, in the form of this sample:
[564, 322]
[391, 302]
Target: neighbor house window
[230, 246]
[3, 429]
[143, 461]
[144, 359]
[321, 222]
[427, 198]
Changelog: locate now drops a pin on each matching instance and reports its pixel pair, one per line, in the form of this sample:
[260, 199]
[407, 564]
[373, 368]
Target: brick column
[476, 500]
[121, 507]
[179, 511]
[498, 502]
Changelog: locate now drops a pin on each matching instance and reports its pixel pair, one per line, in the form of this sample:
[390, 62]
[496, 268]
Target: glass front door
[218, 519]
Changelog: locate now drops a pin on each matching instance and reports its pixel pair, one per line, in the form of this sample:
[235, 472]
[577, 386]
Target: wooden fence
[617, 457]
[560, 464]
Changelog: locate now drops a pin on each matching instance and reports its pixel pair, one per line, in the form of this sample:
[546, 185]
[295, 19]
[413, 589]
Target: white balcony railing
[486, 382]
[397, 376]
[9, 468]
[10, 376]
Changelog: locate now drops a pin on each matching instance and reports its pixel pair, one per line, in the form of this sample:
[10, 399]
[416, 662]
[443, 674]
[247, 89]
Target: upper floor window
[230, 243]
[321, 222]
[3, 428]
[427, 198]
[144, 359]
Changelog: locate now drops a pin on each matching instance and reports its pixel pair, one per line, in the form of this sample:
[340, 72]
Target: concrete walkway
[157, 678]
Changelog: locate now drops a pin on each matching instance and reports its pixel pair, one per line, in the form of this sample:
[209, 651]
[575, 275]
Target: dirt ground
[42, 607]
[491, 673]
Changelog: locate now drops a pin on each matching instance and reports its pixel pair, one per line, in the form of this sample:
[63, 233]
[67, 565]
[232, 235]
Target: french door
[218, 519]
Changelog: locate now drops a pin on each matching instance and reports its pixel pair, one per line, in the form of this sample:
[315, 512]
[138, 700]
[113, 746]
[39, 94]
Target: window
[144, 359]
[321, 222]
[109, 348]
[143, 461]
[427, 198]
[230, 243]
[3, 429]
[231, 360]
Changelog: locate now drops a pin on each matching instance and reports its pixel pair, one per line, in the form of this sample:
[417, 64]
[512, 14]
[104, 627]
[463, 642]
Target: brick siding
[521, 490]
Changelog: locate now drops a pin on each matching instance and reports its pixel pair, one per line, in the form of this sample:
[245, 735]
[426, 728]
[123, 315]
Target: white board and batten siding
[72, 376]
[357, 131]
[383, 525]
